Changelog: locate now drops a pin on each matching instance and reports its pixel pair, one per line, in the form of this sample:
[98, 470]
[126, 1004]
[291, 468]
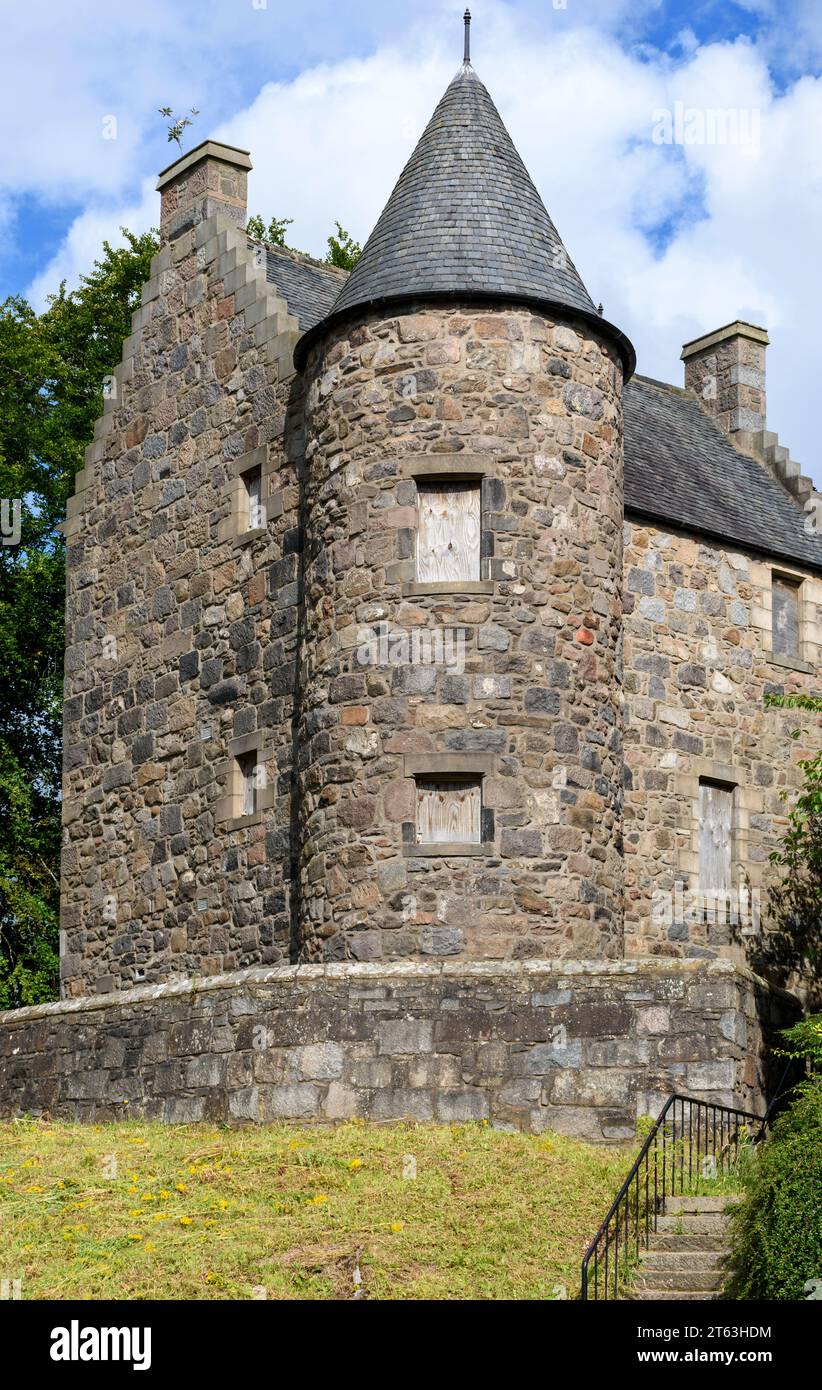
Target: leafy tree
[792, 945]
[274, 234]
[53, 368]
[776, 1233]
[343, 250]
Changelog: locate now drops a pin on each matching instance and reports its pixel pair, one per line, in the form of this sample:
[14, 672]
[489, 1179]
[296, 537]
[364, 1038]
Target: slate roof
[309, 288]
[465, 215]
[683, 471]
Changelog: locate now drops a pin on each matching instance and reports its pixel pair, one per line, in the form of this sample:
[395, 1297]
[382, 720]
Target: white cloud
[742, 229]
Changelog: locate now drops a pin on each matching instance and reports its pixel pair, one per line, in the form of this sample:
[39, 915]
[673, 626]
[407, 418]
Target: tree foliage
[792, 945]
[776, 1233]
[343, 250]
[53, 367]
[274, 233]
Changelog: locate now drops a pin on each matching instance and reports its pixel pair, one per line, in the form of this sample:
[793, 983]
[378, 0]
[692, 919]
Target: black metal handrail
[665, 1167]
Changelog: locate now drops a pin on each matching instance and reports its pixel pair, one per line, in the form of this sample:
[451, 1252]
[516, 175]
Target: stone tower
[460, 760]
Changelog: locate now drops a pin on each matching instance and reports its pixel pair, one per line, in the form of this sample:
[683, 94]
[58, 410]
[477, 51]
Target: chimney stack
[211, 178]
[726, 370]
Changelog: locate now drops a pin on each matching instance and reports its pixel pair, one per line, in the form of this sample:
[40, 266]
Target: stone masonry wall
[531, 407]
[581, 1047]
[698, 664]
[181, 637]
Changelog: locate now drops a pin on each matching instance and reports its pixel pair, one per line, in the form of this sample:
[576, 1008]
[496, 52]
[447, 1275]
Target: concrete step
[688, 1280]
[671, 1295]
[693, 1223]
[669, 1260]
[700, 1205]
[689, 1240]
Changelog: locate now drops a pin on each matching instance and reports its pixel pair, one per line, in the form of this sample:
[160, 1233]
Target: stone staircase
[683, 1261]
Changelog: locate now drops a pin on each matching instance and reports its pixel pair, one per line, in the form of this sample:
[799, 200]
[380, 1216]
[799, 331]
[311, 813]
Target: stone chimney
[726, 370]
[211, 178]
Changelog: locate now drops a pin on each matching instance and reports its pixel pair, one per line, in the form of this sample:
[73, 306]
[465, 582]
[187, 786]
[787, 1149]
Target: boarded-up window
[716, 805]
[448, 811]
[785, 616]
[448, 532]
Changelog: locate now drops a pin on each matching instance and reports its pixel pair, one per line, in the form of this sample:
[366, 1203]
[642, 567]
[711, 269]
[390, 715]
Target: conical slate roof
[465, 219]
[465, 216]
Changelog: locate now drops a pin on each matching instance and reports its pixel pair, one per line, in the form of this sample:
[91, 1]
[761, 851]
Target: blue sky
[674, 238]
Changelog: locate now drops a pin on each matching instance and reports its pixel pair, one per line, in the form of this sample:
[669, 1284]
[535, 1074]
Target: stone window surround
[434, 765]
[745, 802]
[228, 811]
[791, 663]
[232, 527]
[457, 468]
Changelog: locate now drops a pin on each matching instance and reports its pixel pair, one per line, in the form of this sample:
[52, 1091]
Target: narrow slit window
[785, 616]
[716, 807]
[449, 811]
[251, 780]
[448, 532]
[253, 486]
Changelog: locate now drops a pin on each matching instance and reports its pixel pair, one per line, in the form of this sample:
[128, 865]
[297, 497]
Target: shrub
[776, 1233]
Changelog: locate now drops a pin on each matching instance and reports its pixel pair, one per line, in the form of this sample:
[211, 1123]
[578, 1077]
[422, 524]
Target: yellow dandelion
[181, 1187]
[355, 1163]
[397, 1226]
[148, 1197]
[164, 1194]
[222, 1204]
[149, 1246]
[138, 1211]
[293, 1143]
[61, 1183]
[134, 1236]
[34, 1188]
[185, 1221]
[208, 1223]
[320, 1197]
[160, 1216]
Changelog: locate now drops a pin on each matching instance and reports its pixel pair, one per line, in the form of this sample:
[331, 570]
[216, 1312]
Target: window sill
[455, 587]
[242, 822]
[789, 663]
[446, 850]
[246, 537]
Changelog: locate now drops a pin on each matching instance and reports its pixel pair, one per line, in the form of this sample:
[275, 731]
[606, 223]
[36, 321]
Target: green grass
[141, 1211]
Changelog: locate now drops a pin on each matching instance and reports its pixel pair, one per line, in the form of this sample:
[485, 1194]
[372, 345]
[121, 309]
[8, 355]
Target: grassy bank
[132, 1211]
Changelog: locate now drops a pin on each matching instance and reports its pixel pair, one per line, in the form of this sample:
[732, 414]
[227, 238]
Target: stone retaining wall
[582, 1047]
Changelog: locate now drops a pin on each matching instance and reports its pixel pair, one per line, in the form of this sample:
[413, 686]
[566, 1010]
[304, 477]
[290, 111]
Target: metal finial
[599, 310]
[467, 54]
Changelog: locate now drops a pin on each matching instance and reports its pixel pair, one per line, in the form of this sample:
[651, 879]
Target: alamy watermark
[384, 646]
[737, 126]
[732, 907]
[11, 520]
